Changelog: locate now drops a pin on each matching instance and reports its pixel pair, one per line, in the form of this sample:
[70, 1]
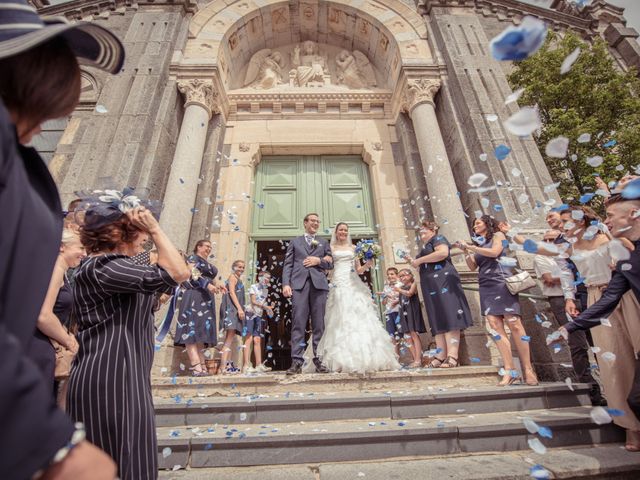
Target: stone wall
[128, 136]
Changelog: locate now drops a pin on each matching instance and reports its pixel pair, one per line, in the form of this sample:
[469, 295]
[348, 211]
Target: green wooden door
[287, 188]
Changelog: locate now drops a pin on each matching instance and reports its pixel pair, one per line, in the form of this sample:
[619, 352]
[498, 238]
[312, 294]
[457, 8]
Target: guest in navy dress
[55, 311]
[232, 313]
[498, 304]
[447, 308]
[196, 327]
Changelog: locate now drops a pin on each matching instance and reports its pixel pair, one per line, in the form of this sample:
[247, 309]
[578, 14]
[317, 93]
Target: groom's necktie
[309, 239]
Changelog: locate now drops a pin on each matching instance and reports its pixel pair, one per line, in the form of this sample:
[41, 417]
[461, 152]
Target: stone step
[213, 445]
[278, 382]
[610, 462]
[415, 403]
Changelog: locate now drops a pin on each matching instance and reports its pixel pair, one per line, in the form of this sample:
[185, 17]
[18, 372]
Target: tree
[594, 97]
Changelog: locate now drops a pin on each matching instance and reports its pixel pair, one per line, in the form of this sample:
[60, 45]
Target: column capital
[420, 90]
[200, 92]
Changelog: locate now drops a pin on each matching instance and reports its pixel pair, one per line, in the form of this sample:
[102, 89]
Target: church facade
[244, 115]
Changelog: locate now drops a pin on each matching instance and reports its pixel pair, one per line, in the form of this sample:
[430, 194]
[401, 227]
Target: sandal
[509, 378]
[450, 362]
[415, 365]
[633, 441]
[195, 372]
[530, 376]
[435, 362]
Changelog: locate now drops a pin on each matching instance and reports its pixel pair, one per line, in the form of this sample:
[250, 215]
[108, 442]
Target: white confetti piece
[568, 62]
[492, 117]
[605, 322]
[584, 138]
[595, 161]
[477, 179]
[166, 451]
[483, 157]
[537, 446]
[557, 147]
[609, 356]
[514, 96]
[600, 416]
[531, 426]
[516, 172]
[101, 109]
[569, 383]
[524, 122]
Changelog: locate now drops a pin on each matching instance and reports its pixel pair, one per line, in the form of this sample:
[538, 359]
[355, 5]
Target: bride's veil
[334, 241]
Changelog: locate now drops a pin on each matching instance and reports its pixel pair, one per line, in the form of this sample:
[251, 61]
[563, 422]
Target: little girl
[232, 313]
[411, 315]
[253, 330]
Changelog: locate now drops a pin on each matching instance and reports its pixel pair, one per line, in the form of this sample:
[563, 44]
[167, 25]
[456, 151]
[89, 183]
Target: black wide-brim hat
[21, 29]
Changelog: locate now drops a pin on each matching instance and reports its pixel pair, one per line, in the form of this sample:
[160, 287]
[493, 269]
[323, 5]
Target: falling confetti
[477, 179]
[557, 147]
[514, 96]
[537, 446]
[501, 152]
[569, 61]
[595, 161]
[600, 416]
[101, 109]
[518, 42]
[524, 122]
[584, 138]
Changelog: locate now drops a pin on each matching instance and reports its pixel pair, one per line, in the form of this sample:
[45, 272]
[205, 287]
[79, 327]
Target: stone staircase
[390, 424]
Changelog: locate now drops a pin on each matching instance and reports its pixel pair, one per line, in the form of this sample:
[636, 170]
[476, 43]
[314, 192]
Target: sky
[631, 9]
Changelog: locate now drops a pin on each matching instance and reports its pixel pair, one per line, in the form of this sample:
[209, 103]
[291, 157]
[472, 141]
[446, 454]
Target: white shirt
[260, 292]
[392, 297]
[542, 265]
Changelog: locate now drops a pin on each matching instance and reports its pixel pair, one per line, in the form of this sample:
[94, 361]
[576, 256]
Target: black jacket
[622, 280]
[32, 428]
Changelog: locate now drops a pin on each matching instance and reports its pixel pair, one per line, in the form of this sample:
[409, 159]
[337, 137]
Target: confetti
[600, 416]
[514, 96]
[477, 179]
[584, 138]
[568, 62]
[501, 152]
[524, 122]
[595, 161]
[518, 42]
[101, 109]
[537, 446]
[557, 147]
[166, 452]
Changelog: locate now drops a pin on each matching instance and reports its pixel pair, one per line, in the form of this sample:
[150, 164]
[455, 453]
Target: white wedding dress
[354, 339]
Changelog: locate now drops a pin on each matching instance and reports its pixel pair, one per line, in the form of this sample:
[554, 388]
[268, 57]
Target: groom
[304, 278]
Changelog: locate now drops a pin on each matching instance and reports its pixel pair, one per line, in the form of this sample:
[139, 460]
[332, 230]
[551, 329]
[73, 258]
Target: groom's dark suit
[310, 288]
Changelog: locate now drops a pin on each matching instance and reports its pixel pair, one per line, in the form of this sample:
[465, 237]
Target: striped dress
[109, 385]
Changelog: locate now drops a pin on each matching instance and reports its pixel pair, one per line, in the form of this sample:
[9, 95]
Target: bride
[354, 339]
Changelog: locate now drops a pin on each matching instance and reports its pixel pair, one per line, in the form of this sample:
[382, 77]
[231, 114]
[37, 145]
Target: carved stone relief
[309, 64]
[420, 90]
[199, 92]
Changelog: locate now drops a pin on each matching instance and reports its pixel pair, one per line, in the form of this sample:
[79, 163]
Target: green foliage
[593, 97]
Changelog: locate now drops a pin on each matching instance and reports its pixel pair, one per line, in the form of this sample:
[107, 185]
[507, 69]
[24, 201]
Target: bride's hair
[334, 236]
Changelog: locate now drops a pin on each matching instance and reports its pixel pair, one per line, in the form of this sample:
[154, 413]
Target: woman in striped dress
[109, 385]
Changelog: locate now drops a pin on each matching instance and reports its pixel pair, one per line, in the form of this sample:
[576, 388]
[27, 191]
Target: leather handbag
[64, 358]
[520, 282]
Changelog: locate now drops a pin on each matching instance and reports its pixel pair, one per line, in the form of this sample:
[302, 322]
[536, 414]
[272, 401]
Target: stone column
[441, 185]
[182, 187]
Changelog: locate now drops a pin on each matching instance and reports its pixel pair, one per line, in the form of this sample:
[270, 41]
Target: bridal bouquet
[368, 250]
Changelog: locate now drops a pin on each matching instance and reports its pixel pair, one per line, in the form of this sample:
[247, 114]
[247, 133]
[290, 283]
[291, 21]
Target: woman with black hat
[40, 81]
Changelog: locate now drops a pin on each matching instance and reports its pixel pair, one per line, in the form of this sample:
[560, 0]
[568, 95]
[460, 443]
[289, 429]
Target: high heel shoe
[509, 378]
[530, 377]
[199, 372]
[633, 441]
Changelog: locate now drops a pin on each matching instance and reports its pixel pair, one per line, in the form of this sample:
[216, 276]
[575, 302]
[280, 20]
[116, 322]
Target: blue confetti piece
[579, 280]
[631, 190]
[545, 432]
[229, 433]
[474, 360]
[496, 337]
[561, 208]
[402, 424]
[525, 338]
[586, 198]
[538, 471]
[514, 374]
[538, 319]
[610, 143]
[501, 152]
[614, 412]
[497, 208]
[518, 42]
[530, 246]
[260, 205]
[208, 446]
[242, 435]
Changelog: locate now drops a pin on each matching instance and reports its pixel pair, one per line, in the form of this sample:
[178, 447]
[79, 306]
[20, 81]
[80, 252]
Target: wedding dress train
[354, 339]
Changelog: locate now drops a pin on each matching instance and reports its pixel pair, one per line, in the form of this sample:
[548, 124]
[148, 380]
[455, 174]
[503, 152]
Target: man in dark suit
[304, 278]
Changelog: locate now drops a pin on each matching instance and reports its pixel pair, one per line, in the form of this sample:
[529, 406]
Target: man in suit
[304, 278]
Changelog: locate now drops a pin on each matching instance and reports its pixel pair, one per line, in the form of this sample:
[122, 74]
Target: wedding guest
[253, 330]
[232, 313]
[391, 302]
[110, 384]
[498, 304]
[447, 308]
[40, 81]
[594, 253]
[71, 220]
[55, 311]
[623, 221]
[411, 318]
[196, 326]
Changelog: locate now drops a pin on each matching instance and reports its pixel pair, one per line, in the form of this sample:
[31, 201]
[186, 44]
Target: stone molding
[88, 9]
[200, 92]
[420, 90]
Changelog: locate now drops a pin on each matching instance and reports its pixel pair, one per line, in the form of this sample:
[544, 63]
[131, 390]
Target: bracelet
[78, 436]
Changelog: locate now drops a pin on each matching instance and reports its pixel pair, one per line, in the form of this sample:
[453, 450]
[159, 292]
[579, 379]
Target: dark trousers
[634, 395]
[578, 345]
[307, 302]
